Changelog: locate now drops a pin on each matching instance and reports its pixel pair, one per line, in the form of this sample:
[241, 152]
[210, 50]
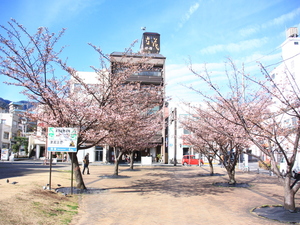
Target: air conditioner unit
[292, 32]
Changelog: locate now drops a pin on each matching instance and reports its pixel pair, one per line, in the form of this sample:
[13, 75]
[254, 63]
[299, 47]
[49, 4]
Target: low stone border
[211, 175]
[67, 190]
[277, 213]
[237, 185]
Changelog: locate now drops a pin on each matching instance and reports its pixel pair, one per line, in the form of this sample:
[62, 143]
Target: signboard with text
[62, 139]
[151, 42]
[4, 154]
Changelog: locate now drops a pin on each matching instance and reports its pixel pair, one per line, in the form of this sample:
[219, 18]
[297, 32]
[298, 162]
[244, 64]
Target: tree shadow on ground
[184, 181]
[111, 176]
[171, 187]
[209, 175]
[236, 185]
[177, 183]
[187, 176]
[255, 178]
[134, 169]
[16, 169]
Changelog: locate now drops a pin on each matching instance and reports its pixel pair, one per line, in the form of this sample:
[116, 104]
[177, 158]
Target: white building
[10, 124]
[290, 66]
[177, 146]
[8, 129]
[287, 76]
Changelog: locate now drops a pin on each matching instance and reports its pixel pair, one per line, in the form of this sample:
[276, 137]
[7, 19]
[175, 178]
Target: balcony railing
[149, 73]
[145, 79]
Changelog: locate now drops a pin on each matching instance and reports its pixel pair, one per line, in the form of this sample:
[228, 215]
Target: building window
[296, 43]
[5, 145]
[78, 87]
[294, 121]
[3, 121]
[6, 135]
[186, 131]
[153, 110]
[99, 153]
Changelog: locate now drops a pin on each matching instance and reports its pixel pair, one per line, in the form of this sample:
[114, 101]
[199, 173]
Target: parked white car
[296, 167]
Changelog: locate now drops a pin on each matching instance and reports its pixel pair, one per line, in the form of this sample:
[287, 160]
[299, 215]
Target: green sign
[62, 139]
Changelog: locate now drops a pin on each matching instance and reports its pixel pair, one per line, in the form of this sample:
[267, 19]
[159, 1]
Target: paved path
[175, 195]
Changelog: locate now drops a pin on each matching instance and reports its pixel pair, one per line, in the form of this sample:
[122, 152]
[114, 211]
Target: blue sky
[207, 31]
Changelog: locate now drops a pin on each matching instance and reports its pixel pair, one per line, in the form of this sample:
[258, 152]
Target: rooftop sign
[151, 42]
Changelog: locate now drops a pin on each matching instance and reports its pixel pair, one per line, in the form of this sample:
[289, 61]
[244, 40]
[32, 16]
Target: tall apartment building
[155, 75]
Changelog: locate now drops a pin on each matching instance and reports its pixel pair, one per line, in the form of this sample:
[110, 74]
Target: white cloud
[187, 15]
[266, 58]
[245, 32]
[235, 47]
[282, 19]
[179, 78]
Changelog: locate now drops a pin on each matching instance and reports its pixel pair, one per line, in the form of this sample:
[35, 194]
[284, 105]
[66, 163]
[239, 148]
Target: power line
[282, 60]
[277, 48]
[263, 56]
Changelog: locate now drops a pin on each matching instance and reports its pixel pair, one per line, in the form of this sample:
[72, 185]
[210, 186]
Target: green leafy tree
[20, 141]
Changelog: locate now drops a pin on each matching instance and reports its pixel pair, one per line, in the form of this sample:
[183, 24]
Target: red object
[191, 160]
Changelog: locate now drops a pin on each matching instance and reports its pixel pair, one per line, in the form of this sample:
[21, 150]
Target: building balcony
[144, 79]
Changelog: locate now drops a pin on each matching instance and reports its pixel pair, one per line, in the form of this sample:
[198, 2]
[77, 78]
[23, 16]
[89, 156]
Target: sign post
[62, 139]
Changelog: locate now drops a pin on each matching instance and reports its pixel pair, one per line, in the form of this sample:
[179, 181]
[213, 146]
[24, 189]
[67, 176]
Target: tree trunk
[289, 195]
[118, 155]
[131, 160]
[231, 174]
[116, 170]
[77, 171]
[210, 161]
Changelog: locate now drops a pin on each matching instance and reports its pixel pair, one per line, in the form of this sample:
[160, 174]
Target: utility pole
[174, 119]
[175, 135]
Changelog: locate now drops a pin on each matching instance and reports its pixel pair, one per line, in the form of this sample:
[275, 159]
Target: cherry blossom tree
[214, 135]
[32, 62]
[135, 111]
[144, 134]
[71, 111]
[273, 126]
[138, 122]
[199, 142]
[261, 109]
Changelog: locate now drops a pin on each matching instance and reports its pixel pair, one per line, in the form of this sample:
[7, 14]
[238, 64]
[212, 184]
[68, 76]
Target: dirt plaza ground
[157, 194]
[175, 195]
